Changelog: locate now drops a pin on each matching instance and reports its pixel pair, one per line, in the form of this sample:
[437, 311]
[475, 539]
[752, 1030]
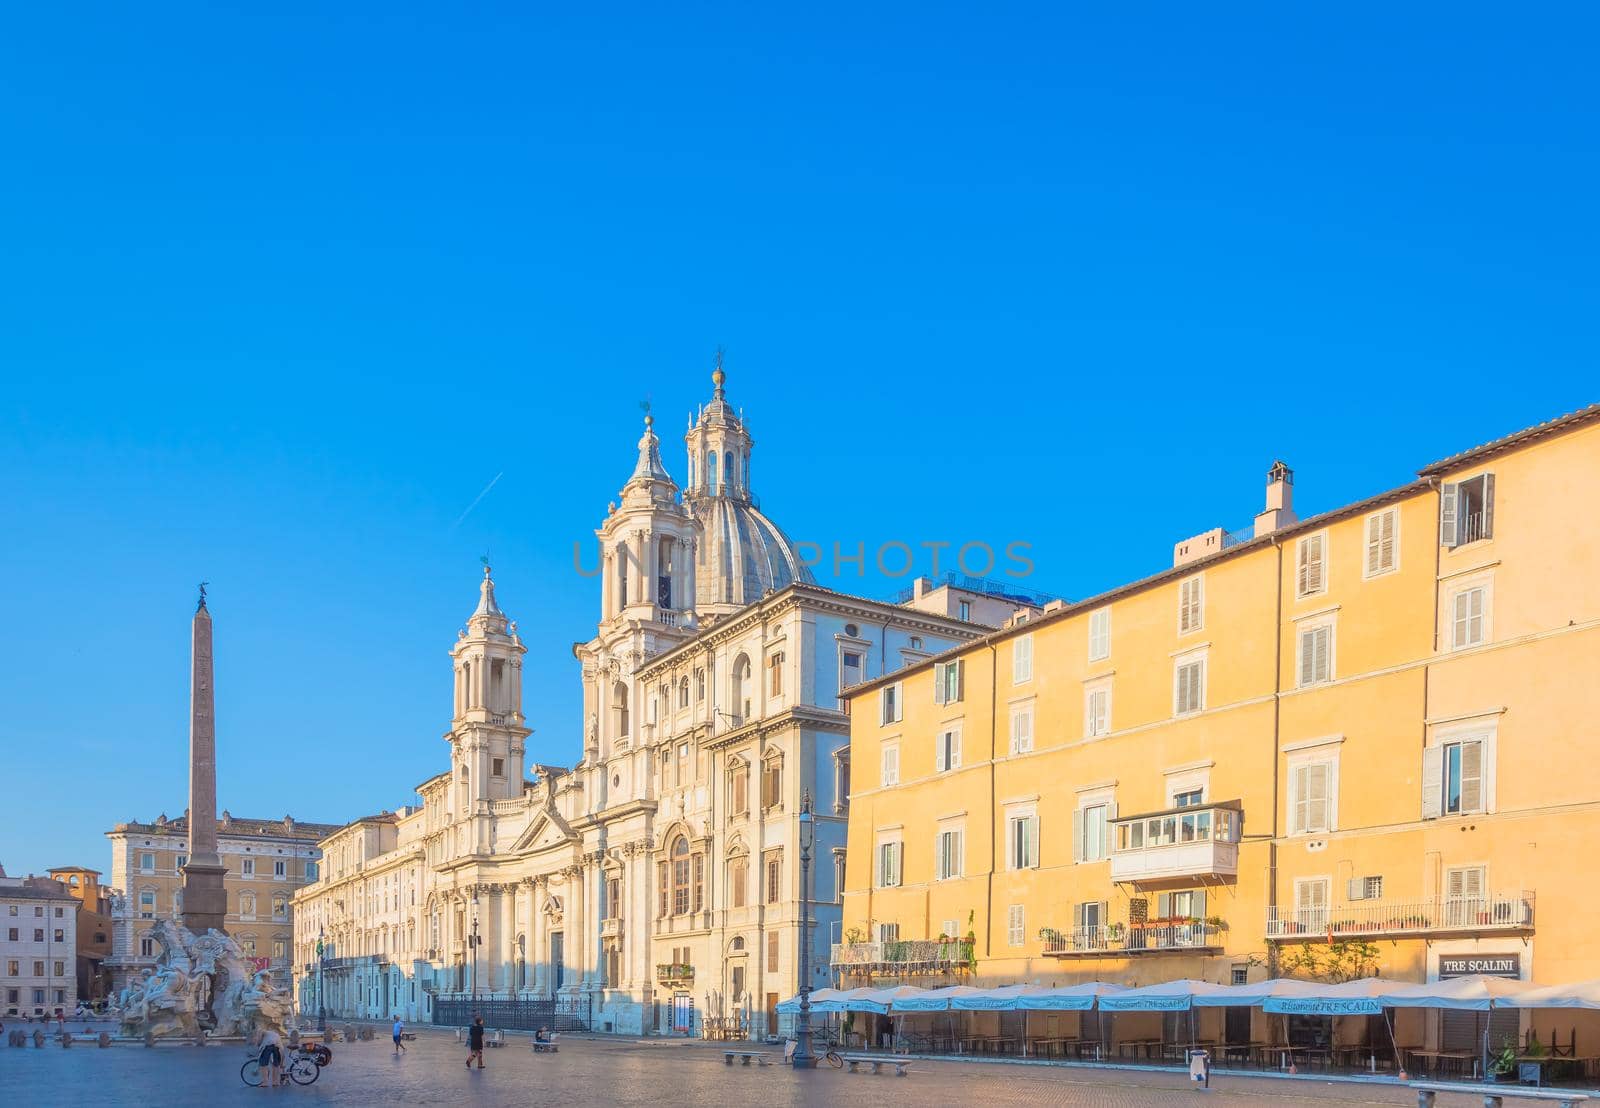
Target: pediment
[547, 830]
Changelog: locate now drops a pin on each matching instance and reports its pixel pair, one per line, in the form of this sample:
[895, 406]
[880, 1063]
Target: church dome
[743, 554]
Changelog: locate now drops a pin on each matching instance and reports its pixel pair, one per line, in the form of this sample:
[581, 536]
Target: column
[508, 940]
[577, 943]
[537, 954]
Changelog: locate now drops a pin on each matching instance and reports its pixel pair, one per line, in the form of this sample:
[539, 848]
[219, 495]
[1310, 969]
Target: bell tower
[487, 732]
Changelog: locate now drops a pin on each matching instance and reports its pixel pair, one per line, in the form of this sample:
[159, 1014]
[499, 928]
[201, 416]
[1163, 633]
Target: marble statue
[201, 985]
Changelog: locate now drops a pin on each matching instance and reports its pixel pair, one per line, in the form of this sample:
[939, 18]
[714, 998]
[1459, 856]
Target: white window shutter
[1355, 889]
[938, 683]
[961, 678]
[1471, 777]
[1447, 514]
[1386, 538]
[1033, 841]
[1375, 542]
[1077, 916]
[1488, 505]
[1077, 835]
[1432, 782]
[1297, 800]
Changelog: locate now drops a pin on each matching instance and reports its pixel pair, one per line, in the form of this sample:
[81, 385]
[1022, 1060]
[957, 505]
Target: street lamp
[322, 1004]
[803, 1059]
[472, 941]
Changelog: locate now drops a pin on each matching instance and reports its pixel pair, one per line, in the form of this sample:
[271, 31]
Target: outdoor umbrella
[1581, 994]
[1067, 998]
[1169, 996]
[934, 1000]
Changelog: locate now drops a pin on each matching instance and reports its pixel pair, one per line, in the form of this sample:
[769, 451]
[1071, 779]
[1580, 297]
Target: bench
[877, 1063]
[495, 1038]
[1493, 1095]
[548, 1047]
[744, 1056]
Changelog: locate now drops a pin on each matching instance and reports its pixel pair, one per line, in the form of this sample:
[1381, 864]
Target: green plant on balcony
[1050, 935]
[1216, 923]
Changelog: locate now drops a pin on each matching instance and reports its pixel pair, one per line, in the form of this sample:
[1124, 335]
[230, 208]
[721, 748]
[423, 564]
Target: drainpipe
[1277, 744]
[994, 708]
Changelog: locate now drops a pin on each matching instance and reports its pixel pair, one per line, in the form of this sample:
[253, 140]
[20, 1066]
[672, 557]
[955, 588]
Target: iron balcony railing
[904, 955]
[674, 971]
[1135, 938]
[1511, 912]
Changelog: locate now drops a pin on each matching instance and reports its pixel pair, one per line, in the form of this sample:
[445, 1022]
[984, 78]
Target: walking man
[475, 1042]
[399, 1027]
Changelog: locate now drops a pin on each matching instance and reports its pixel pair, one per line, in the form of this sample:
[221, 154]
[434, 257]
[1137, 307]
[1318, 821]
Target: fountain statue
[201, 985]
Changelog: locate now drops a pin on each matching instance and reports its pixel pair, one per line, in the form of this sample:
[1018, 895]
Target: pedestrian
[271, 1059]
[475, 1042]
[399, 1026]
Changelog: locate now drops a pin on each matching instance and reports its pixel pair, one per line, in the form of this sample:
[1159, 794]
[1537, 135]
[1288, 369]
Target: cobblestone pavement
[621, 1072]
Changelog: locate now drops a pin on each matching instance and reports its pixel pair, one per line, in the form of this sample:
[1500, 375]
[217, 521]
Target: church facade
[655, 886]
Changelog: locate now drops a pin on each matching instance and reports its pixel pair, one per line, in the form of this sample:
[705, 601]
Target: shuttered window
[947, 851]
[890, 704]
[1311, 790]
[1466, 510]
[947, 752]
[1187, 904]
[890, 773]
[1315, 655]
[1191, 605]
[1311, 903]
[1096, 712]
[947, 681]
[1466, 622]
[1089, 833]
[1381, 550]
[1464, 895]
[1022, 839]
[1099, 634]
[1189, 686]
[1022, 729]
[1312, 574]
[1088, 917]
[1022, 659]
[1016, 933]
[888, 865]
[1455, 779]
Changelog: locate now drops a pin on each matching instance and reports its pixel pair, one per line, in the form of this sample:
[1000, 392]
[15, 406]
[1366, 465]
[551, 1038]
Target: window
[916, 642]
[947, 681]
[1463, 894]
[1185, 904]
[247, 904]
[1382, 551]
[1022, 840]
[1089, 832]
[147, 863]
[839, 859]
[497, 767]
[1099, 634]
[888, 932]
[775, 674]
[280, 949]
[59, 935]
[147, 904]
[1088, 917]
[311, 871]
[1096, 710]
[739, 788]
[947, 750]
[739, 880]
[249, 945]
[772, 951]
[680, 876]
[1466, 510]
[1466, 617]
[280, 906]
[1015, 931]
[682, 769]
[280, 869]
[1455, 778]
[889, 704]
[247, 867]
[60, 968]
[774, 876]
[183, 860]
[849, 668]
[699, 683]
[890, 774]
[888, 864]
[38, 934]
[147, 948]
[1022, 659]
[965, 611]
[1364, 888]
[1314, 664]
[772, 781]
[13, 968]
[1191, 605]
[1189, 685]
[38, 969]
[1312, 793]
[947, 854]
[1022, 729]
[1311, 903]
[1311, 574]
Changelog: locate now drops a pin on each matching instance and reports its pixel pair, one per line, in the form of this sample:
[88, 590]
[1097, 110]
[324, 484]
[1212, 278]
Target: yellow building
[1374, 726]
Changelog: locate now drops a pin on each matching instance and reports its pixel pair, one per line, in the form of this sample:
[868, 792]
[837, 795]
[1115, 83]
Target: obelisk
[205, 900]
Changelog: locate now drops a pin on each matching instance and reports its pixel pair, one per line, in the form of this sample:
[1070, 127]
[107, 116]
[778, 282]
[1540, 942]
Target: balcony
[1178, 844]
[1115, 940]
[611, 928]
[902, 957]
[1472, 915]
[675, 973]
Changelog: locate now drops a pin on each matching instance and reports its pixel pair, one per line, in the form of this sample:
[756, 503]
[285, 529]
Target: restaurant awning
[1068, 998]
[935, 1000]
[1169, 996]
[1478, 992]
[1360, 997]
[1581, 994]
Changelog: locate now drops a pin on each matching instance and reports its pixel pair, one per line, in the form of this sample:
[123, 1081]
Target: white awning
[935, 1000]
[1581, 994]
[1361, 997]
[1169, 996]
[1478, 992]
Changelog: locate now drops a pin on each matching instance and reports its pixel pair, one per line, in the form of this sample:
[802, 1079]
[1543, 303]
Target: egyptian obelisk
[205, 900]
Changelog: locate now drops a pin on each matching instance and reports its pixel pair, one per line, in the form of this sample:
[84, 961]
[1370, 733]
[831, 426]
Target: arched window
[683, 693]
[680, 876]
[619, 704]
[739, 689]
[739, 787]
[711, 471]
[664, 572]
[727, 471]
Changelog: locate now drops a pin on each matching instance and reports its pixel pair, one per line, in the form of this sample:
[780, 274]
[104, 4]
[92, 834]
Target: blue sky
[283, 289]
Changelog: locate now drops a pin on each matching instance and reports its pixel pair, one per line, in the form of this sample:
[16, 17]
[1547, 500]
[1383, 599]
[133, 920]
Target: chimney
[1279, 511]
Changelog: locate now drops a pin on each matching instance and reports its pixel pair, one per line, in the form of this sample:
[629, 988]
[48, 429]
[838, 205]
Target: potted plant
[1503, 1066]
[1114, 934]
[1051, 936]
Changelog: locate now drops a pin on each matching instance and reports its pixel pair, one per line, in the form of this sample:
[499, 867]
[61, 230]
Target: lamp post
[803, 1059]
[472, 941]
[322, 1005]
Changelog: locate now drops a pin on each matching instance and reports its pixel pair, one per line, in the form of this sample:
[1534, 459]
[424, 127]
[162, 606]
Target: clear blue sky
[284, 288]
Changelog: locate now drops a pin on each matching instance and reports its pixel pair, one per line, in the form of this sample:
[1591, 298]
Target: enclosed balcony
[1464, 915]
[1178, 844]
[611, 927]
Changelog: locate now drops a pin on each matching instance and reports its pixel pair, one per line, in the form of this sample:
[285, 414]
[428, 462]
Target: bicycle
[833, 1058]
[301, 1067]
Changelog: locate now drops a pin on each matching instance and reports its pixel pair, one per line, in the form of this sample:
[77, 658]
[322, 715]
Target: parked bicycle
[302, 1067]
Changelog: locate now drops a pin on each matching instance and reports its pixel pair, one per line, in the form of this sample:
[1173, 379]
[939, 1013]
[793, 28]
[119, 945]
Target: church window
[711, 471]
[739, 789]
[683, 764]
[619, 704]
[774, 876]
[727, 468]
[499, 767]
[664, 574]
[775, 669]
[741, 703]
[738, 880]
[683, 693]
